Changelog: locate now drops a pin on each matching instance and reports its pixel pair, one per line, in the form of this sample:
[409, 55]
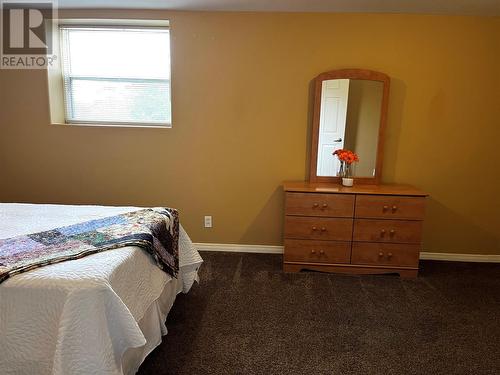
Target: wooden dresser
[360, 229]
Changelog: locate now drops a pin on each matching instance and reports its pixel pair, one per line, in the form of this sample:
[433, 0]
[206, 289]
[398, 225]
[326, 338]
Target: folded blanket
[155, 230]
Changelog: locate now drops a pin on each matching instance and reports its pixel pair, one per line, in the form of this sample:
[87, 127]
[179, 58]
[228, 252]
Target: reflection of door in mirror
[332, 123]
[349, 118]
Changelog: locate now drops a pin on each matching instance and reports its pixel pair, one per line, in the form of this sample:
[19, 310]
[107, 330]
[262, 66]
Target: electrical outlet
[208, 221]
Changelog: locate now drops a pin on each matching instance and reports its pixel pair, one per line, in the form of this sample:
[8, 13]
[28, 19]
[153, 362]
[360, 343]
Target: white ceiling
[465, 7]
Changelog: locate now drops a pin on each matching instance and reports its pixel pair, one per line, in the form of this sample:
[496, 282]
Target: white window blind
[116, 75]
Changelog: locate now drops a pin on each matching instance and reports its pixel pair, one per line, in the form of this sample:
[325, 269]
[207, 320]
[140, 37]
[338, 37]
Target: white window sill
[168, 126]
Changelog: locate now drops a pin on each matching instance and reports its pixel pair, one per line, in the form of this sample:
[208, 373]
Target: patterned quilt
[154, 229]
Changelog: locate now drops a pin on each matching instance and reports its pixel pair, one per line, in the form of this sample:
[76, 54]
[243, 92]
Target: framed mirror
[350, 111]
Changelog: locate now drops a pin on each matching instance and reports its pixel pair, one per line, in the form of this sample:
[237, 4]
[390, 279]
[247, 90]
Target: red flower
[346, 156]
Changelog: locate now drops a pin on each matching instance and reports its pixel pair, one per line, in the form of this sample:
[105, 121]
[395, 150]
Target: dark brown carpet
[247, 317]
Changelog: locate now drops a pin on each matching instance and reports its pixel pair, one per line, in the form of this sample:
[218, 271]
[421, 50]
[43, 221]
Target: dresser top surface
[382, 189]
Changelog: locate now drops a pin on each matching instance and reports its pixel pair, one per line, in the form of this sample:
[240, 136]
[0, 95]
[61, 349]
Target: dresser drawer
[317, 251]
[405, 255]
[318, 228]
[390, 207]
[313, 204]
[397, 231]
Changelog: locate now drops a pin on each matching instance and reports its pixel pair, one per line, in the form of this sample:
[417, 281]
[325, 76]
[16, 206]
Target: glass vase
[347, 179]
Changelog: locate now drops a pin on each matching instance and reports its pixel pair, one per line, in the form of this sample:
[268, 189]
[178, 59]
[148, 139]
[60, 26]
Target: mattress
[82, 316]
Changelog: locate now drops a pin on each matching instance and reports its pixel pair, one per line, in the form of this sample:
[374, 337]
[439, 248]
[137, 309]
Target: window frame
[56, 75]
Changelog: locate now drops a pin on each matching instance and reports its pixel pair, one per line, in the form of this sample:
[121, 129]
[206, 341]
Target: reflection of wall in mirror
[363, 121]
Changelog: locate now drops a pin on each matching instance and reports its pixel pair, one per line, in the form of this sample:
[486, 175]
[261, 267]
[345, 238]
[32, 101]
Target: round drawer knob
[394, 208]
[381, 254]
[315, 205]
[323, 229]
[389, 255]
[325, 205]
[321, 252]
[314, 228]
[385, 208]
[382, 232]
[313, 251]
[392, 231]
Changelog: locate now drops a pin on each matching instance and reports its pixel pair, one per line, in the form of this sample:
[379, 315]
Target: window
[116, 75]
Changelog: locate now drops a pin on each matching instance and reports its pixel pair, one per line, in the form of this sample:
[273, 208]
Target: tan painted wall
[241, 111]
[364, 107]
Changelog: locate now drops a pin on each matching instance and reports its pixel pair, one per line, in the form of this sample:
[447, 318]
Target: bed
[101, 314]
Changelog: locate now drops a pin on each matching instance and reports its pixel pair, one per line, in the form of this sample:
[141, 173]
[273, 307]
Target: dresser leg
[291, 268]
[408, 274]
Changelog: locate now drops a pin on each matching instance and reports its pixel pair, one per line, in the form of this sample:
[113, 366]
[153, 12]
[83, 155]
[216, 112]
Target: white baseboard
[484, 258]
[268, 249]
[236, 248]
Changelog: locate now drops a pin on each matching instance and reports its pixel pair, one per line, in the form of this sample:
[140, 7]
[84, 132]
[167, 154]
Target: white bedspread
[80, 316]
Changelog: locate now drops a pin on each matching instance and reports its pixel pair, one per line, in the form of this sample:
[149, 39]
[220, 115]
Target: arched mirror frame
[360, 74]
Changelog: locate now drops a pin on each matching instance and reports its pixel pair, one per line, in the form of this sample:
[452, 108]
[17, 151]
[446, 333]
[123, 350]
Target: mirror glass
[349, 118]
